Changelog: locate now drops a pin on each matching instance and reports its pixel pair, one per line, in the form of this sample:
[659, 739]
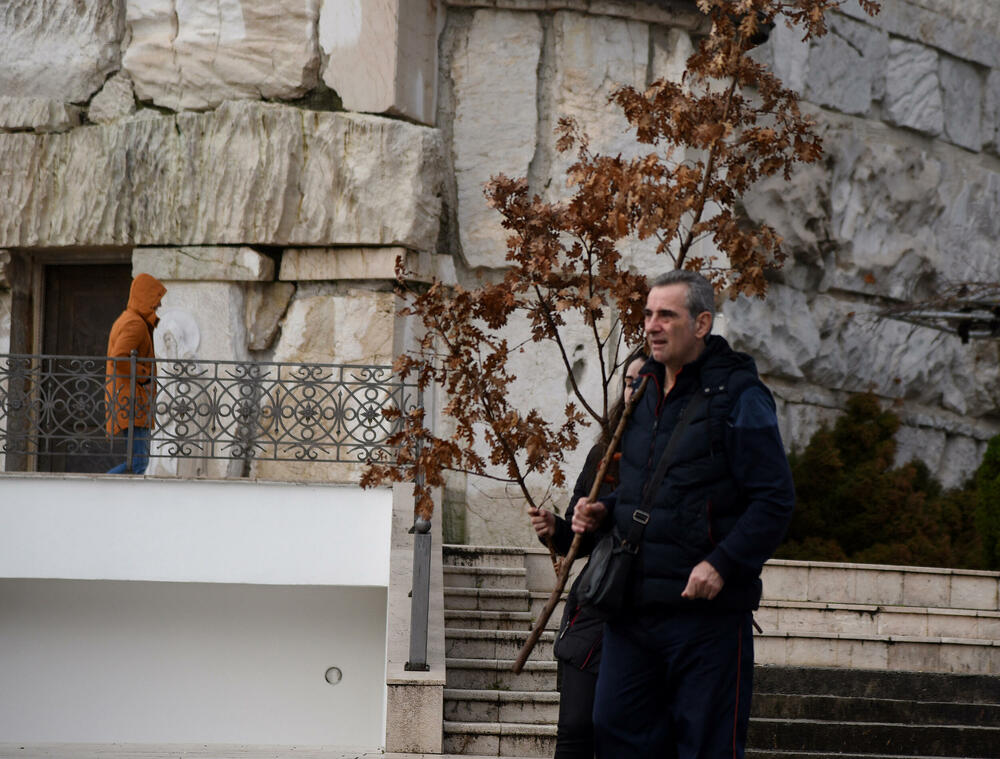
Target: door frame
[40, 258]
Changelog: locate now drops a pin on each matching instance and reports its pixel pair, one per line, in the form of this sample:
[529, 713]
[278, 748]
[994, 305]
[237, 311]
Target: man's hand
[543, 521]
[703, 582]
[588, 515]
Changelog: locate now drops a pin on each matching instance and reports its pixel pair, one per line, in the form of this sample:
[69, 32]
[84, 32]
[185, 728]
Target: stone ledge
[912, 654]
[678, 13]
[246, 173]
[215, 263]
[369, 263]
[960, 40]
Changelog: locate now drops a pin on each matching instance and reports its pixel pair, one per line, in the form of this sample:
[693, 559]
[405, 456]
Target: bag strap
[640, 517]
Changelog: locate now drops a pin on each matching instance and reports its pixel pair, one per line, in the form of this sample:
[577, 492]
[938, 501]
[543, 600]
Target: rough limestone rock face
[856, 351]
[991, 113]
[592, 57]
[198, 53]
[204, 263]
[343, 263]
[913, 88]
[962, 89]
[846, 67]
[900, 213]
[59, 50]
[4, 270]
[327, 324]
[116, 100]
[798, 422]
[245, 173]
[495, 61]
[884, 218]
[381, 57]
[37, 114]
[266, 303]
[5, 321]
[217, 308]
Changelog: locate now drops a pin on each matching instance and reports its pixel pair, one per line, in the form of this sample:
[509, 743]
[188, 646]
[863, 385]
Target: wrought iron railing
[54, 410]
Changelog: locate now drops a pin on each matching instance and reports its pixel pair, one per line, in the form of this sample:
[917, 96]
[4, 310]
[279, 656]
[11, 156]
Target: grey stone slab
[912, 88]
[246, 173]
[962, 90]
[991, 112]
[218, 263]
[965, 29]
[846, 68]
[59, 50]
[116, 100]
[37, 114]
[200, 53]
[495, 60]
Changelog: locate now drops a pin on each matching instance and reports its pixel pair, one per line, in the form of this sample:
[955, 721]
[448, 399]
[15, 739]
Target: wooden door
[81, 302]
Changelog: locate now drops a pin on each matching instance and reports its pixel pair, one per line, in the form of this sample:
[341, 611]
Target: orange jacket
[133, 330]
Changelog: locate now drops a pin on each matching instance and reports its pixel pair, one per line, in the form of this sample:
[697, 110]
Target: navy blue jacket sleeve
[760, 468]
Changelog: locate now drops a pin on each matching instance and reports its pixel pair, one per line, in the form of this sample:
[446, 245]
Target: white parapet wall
[180, 612]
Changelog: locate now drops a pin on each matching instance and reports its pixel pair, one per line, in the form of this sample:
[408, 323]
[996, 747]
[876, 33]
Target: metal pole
[131, 409]
[420, 593]
[420, 596]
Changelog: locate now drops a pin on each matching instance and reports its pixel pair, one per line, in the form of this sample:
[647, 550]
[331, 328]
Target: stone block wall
[904, 202]
[203, 139]
[270, 160]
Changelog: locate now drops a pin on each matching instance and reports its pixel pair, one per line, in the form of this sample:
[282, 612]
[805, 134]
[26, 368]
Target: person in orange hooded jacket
[133, 331]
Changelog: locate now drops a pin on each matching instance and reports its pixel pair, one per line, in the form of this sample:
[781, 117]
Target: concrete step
[485, 577]
[869, 619]
[494, 644]
[496, 674]
[485, 599]
[757, 753]
[848, 709]
[525, 707]
[887, 738]
[499, 739]
[488, 620]
[899, 685]
[881, 585]
[878, 652]
[483, 556]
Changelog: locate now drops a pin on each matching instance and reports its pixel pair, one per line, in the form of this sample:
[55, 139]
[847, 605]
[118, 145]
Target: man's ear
[703, 325]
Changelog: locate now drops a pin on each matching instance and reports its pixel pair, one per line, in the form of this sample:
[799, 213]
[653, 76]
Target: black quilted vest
[698, 502]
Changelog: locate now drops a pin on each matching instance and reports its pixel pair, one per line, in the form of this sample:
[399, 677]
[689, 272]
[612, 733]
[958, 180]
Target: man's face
[674, 337]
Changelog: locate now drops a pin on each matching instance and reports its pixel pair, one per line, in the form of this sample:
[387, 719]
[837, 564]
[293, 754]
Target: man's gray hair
[700, 293]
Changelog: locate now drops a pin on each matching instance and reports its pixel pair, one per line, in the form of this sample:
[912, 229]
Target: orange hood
[144, 297]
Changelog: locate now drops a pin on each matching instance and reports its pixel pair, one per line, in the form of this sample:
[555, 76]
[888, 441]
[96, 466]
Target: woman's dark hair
[618, 408]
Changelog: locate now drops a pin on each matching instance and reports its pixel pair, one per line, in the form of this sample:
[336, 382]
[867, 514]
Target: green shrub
[854, 505]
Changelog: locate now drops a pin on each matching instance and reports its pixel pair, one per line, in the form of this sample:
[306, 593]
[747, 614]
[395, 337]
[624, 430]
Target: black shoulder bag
[604, 583]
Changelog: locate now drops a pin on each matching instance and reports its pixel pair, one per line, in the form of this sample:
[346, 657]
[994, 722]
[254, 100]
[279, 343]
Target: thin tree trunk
[574, 548]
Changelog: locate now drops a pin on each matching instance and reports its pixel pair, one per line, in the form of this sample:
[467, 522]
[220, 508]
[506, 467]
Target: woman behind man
[578, 642]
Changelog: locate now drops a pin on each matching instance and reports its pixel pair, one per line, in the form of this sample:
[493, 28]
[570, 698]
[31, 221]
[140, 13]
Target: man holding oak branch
[676, 678]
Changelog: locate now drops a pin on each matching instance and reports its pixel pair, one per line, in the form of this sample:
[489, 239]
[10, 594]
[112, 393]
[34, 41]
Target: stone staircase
[855, 661]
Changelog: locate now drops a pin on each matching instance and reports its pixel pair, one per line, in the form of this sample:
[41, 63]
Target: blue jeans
[140, 453]
[675, 684]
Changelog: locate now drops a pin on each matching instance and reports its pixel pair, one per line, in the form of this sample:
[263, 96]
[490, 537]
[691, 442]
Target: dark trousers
[140, 452]
[675, 684]
[575, 735]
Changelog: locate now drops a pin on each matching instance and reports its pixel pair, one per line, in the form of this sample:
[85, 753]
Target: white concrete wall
[137, 610]
[141, 662]
[122, 528]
